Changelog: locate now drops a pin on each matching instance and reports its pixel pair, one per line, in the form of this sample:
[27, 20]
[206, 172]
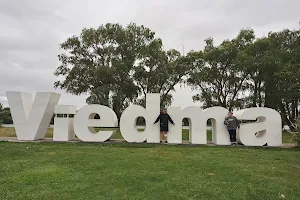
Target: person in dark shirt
[164, 119]
[232, 123]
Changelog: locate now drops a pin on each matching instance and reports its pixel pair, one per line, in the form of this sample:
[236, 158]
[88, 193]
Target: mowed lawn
[146, 171]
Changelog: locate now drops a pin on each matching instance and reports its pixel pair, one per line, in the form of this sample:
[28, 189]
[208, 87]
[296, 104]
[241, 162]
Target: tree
[5, 116]
[274, 75]
[257, 60]
[101, 62]
[285, 46]
[220, 74]
[159, 72]
[1, 109]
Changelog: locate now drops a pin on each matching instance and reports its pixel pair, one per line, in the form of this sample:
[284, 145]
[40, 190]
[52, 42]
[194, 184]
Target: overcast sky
[31, 31]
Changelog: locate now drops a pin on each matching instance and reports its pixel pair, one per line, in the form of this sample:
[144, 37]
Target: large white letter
[63, 123]
[220, 135]
[130, 115]
[198, 122]
[31, 119]
[84, 123]
[267, 128]
[175, 131]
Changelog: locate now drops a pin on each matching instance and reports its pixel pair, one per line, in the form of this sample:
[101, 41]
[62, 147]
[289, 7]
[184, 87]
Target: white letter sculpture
[130, 115]
[31, 119]
[175, 131]
[197, 125]
[63, 123]
[266, 130]
[84, 123]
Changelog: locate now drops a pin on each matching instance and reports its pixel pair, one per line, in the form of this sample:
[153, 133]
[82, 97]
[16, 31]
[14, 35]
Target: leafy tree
[274, 75]
[285, 46]
[5, 116]
[101, 62]
[220, 74]
[119, 65]
[256, 58]
[1, 108]
[159, 72]
[247, 72]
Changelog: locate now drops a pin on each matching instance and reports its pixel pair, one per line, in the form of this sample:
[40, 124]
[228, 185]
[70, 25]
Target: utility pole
[182, 49]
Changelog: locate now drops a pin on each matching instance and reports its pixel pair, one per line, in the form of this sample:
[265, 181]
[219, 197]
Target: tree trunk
[254, 100]
[294, 111]
[297, 109]
[259, 94]
[285, 120]
[288, 111]
[270, 91]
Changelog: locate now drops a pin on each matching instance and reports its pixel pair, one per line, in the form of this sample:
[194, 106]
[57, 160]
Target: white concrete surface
[63, 126]
[84, 123]
[129, 116]
[32, 118]
[267, 127]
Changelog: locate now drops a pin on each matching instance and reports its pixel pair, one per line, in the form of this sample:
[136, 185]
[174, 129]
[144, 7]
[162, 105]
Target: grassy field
[10, 132]
[146, 171]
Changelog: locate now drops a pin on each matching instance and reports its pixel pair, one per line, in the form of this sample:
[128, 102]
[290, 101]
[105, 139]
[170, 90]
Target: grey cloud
[31, 31]
[29, 10]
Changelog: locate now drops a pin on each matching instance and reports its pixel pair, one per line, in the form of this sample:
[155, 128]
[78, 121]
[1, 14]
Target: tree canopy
[119, 65]
[248, 72]
[5, 115]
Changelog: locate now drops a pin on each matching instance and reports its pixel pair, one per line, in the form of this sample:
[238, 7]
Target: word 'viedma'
[32, 118]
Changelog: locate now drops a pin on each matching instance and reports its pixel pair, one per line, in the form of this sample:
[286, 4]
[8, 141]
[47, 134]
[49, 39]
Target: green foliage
[249, 72]
[118, 65]
[220, 73]
[5, 116]
[296, 135]
[159, 72]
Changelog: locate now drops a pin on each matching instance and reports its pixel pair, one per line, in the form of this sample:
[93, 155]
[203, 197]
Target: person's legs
[230, 135]
[166, 136]
[234, 136]
[161, 135]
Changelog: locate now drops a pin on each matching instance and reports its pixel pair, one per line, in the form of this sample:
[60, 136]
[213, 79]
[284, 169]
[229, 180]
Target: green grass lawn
[10, 132]
[146, 171]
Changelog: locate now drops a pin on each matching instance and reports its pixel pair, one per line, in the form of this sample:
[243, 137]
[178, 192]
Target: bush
[5, 117]
[296, 135]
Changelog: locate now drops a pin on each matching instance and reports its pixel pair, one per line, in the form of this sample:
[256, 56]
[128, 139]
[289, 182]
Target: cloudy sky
[31, 31]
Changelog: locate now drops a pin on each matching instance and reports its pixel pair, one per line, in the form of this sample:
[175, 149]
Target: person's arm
[170, 119]
[226, 121]
[237, 122]
[158, 118]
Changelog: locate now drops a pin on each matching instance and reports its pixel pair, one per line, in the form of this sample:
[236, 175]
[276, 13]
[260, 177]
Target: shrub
[296, 134]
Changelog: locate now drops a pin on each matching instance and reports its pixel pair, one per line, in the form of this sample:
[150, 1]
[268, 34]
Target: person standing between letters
[232, 123]
[164, 119]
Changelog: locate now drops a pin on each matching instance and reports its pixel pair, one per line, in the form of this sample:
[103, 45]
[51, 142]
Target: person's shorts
[164, 129]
